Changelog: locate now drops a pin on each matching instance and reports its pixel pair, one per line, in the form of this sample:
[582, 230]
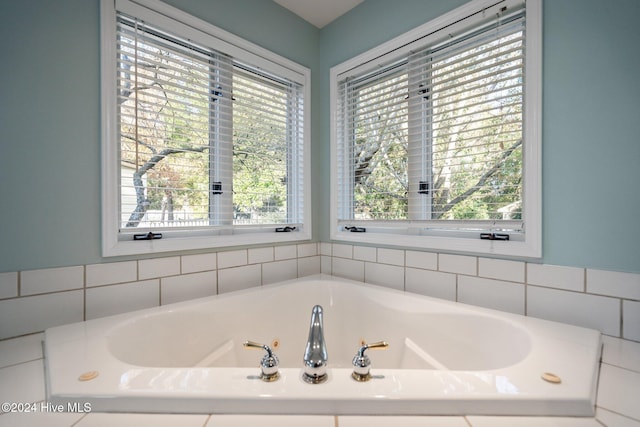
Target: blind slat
[448, 115]
[191, 116]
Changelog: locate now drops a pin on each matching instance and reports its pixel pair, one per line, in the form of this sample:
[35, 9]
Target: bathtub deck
[22, 380]
[492, 365]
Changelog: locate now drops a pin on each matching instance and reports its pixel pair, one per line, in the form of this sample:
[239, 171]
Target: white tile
[618, 391]
[19, 350]
[512, 271]
[484, 421]
[112, 273]
[8, 285]
[576, 308]
[308, 266]
[621, 353]
[612, 283]
[401, 421]
[325, 248]
[611, 419]
[47, 419]
[142, 420]
[158, 267]
[432, 283]
[51, 280]
[198, 263]
[188, 286]
[425, 260]
[390, 276]
[274, 272]
[342, 251]
[555, 276]
[364, 253]
[347, 268]
[237, 278]
[631, 320]
[490, 293]
[457, 264]
[115, 299]
[391, 256]
[271, 421]
[22, 383]
[307, 249]
[232, 258]
[260, 255]
[27, 315]
[285, 252]
[325, 264]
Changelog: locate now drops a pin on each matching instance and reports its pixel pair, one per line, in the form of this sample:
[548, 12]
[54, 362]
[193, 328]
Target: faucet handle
[362, 363]
[268, 364]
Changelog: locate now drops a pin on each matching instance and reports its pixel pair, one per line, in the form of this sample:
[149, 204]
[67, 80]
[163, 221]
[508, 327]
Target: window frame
[452, 236]
[117, 243]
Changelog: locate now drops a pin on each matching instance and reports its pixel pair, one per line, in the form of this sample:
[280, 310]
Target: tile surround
[431, 283]
[8, 285]
[581, 309]
[631, 320]
[109, 300]
[554, 292]
[188, 286]
[489, 293]
[618, 390]
[21, 316]
[30, 301]
[554, 276]
[111, 273]
[49, 280]
[558, 293]
[460, 264]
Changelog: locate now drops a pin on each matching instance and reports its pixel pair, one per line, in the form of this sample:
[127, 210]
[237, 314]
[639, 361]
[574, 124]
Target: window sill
[175, 244]
[528, 249]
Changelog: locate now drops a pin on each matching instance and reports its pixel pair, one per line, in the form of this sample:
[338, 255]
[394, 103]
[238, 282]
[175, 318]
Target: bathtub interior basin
[443, 357]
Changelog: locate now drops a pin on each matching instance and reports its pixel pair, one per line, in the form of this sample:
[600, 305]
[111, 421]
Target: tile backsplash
[31, 301]
[605, 300]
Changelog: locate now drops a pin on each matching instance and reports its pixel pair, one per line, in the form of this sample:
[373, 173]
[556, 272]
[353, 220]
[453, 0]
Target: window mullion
[420, 141]
[220, 137]
[292, 155]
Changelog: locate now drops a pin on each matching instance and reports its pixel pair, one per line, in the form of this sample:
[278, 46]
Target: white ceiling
[319, 12]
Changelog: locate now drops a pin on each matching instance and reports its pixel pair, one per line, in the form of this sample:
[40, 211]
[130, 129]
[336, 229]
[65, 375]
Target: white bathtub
[443, 357]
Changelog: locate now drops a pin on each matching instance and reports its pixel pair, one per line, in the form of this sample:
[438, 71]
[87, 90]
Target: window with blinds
[209, 141]
[430, 135]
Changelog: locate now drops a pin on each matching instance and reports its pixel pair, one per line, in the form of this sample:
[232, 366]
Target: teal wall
[50, 118]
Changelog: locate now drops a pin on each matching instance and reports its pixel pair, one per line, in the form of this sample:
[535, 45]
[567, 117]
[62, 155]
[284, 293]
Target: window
[205, 139]
[436, 135]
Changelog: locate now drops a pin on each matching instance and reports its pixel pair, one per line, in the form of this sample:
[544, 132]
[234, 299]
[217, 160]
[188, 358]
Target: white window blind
[430, 135]
[468, 96]
[207, 143]
[267, 115]
[373, 130]
[205, 140]
[174, 112]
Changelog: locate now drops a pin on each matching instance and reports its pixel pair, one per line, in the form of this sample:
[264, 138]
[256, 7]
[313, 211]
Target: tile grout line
[84, 293]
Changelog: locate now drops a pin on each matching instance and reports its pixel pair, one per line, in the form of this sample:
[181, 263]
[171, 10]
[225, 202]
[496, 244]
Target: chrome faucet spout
[315, 353]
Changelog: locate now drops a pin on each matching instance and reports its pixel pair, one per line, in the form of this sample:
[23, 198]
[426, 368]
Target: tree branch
[138, 183]
[483, 179]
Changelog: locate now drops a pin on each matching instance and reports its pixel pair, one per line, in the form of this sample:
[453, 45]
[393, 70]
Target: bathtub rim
[580, 404]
